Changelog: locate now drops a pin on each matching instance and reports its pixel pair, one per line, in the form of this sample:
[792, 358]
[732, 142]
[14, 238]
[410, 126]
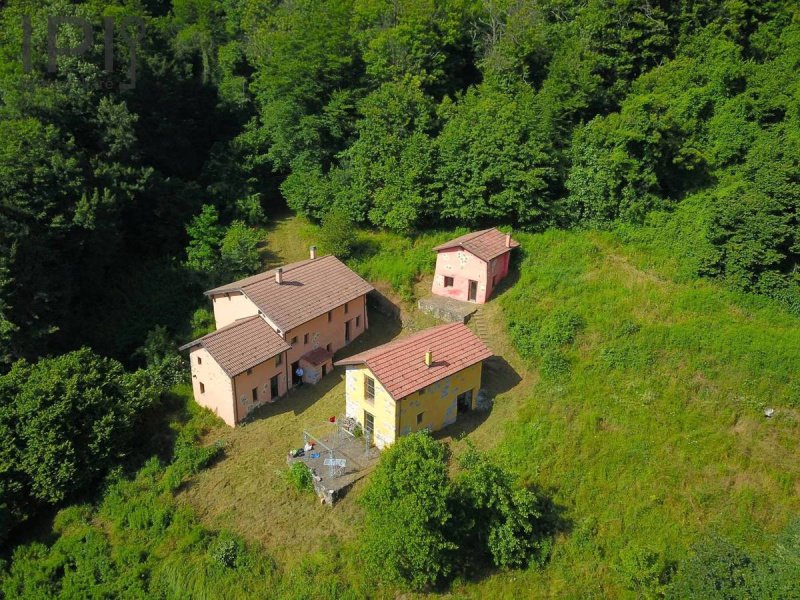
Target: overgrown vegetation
[656, 439]
[64, 423]
[421, 527]
[137, 542]
[300, 477]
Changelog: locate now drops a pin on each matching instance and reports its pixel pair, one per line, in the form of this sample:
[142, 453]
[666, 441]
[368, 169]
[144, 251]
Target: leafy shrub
[300, 477]
[64, 423]
[645, 571]
[407, 515]
[496, 517]
[202, 322]
[525, 338]
[559, 328]
[545, 339]
[715, 569]
[225, 551]
[337, 234]
[554, 364]
[239, 250]
[249, 209]
[421, 525]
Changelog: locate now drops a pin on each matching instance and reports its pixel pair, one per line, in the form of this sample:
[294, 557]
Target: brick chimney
[508, 240]
[313, 252]
[279, 275]
[428, 358]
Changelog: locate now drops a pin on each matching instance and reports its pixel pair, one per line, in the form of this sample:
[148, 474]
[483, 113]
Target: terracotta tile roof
[317, 356]
[486, 244]
[400, 365]
[242, 345]
[310, 288]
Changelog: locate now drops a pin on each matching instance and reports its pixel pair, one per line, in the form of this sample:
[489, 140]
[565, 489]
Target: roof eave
[190, 345]
[223, 290]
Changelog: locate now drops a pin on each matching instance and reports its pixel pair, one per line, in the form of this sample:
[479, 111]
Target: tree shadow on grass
[365, 248]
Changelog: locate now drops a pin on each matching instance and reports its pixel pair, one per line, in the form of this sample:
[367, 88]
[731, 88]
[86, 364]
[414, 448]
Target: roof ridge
[399, 366]
[388, 346]
[259, 277]
[236, 323]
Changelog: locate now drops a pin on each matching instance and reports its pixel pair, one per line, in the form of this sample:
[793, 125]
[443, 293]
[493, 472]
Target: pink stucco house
[469, 267]
[270, 324]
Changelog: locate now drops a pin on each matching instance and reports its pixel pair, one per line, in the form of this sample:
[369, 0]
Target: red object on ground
[332, 419]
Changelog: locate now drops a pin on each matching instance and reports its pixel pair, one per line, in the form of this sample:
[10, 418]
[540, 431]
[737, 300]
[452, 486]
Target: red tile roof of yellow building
[242, 345]
[310, 288]
[400, 365]
[486, 244]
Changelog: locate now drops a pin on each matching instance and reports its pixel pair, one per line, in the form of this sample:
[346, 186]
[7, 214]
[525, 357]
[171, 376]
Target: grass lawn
[655, 437]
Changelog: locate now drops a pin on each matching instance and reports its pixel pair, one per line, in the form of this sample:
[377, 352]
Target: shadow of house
[377, 302]
[499, 376]
[508, 282]
[298, 399]
[465, 424]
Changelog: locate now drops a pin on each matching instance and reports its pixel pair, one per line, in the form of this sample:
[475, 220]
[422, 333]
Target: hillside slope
[647, 429]
[651, 431]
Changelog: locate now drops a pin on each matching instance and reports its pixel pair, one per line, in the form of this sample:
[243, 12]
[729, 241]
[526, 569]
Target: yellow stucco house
[420, 382]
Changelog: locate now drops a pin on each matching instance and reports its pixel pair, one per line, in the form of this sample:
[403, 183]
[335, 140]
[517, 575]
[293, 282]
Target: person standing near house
[299, 373]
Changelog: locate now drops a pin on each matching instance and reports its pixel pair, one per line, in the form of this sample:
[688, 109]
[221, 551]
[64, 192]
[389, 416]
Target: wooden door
[472, 294]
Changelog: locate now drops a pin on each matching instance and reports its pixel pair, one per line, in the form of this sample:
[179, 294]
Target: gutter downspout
[286, 370]
[235, 403]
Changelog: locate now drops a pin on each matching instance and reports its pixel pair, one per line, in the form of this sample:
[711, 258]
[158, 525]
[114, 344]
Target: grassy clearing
[380, 257]
[658, 435]
[654, 437]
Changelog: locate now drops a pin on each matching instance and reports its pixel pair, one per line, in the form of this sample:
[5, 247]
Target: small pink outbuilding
[469, 267]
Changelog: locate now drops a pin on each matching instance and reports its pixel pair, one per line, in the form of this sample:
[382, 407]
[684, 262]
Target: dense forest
[403, 115]
[675, 123]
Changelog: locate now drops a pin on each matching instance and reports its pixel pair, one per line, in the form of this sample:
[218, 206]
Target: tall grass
[657, 436]
[396, 260]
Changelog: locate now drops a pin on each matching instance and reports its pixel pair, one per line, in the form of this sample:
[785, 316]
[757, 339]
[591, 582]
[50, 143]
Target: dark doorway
[324, 370]
[347, 332]
[295, 377]
[472, 294]
[273, 387]
[464, 402]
